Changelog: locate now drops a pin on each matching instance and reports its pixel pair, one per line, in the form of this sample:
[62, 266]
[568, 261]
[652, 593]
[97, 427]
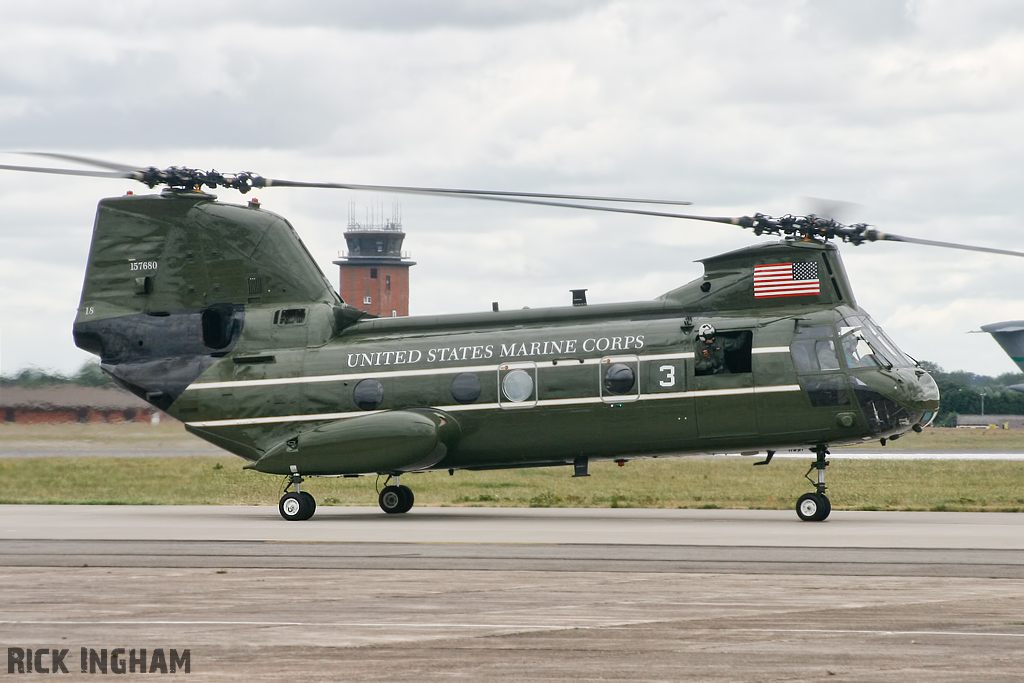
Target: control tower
[375, 271]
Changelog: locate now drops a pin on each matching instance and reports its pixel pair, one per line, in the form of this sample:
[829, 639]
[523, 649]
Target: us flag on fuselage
[786, 279]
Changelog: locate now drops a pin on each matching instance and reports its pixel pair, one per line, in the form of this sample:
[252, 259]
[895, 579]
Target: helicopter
[217, 314]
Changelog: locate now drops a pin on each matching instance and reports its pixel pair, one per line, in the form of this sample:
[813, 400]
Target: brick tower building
[375, 272]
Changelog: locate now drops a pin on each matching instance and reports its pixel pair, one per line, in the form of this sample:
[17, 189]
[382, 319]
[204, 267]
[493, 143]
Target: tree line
[89, 375]
[966, 393]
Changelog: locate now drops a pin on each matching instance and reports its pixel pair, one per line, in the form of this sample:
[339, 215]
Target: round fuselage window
[465, 387]
[517, 386]
[368, 394]
[619, 379]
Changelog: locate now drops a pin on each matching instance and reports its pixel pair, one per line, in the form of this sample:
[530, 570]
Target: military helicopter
[217, 314]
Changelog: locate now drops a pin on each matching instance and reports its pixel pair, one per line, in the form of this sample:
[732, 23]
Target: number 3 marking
[670, 376]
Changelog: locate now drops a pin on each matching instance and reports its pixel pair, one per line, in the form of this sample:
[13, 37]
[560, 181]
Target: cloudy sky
[910, 111]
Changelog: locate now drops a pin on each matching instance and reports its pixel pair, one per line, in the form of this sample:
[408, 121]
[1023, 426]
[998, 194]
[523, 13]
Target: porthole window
[517, 386]
[619, 379]
[368, 394]
[465, 387]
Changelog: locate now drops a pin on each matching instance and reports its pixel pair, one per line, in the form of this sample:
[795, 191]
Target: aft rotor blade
[111, 165]
[480, 194]
[185, 177]
[949, 245]
[132, 175]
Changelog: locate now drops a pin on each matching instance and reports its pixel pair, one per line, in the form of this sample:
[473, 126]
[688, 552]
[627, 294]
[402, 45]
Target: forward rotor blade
[70, 171]
[566, 205]
[480, 194]
[883, 236]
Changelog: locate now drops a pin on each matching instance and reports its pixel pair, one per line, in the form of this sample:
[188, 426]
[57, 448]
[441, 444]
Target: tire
[292, 507]
[826, 508]
[310, 504]
[813, 507]
[408, 498]
[391, 500]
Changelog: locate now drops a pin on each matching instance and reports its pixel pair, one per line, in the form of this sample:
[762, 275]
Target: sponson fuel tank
[391, 441]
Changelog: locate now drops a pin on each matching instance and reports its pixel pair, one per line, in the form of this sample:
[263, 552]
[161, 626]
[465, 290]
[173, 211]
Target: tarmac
[520, 594]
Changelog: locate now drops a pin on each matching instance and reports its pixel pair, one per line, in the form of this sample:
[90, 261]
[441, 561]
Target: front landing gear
[298, 505]
[396, 499]
[815, 507]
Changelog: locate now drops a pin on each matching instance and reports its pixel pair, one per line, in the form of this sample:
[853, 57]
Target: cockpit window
[856, 349]
[814, 350]
[890, 349]
[865, 345]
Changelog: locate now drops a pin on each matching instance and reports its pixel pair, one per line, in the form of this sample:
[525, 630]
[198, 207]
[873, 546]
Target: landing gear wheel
[310, 503]
[395, 500]
[813, 507]
[409, 498]
[391, 500]
[296, 507]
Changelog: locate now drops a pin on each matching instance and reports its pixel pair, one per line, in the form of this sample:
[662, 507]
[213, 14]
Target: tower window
[387, 282]
[373, 273]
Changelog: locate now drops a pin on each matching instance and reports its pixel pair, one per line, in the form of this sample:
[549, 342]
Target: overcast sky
[911, 111]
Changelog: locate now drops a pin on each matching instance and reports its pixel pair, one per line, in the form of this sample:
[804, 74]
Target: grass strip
[663, 483]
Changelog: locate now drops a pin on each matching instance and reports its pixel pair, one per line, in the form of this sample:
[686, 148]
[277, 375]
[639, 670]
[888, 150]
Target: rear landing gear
[815, 507]
[396, 499]
[296, 506]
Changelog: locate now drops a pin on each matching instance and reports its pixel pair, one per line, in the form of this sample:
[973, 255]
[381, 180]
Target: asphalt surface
[521, 594]
[581, 539]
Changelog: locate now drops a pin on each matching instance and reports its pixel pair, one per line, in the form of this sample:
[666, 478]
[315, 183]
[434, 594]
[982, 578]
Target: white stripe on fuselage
[586, 400]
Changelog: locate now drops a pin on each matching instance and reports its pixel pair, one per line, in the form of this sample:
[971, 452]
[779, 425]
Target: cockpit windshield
[865, 345]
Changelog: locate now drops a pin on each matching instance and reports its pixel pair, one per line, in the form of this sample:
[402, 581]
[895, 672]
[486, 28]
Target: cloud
[909, 109]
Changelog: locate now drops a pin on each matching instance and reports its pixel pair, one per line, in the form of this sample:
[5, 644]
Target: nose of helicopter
[915, 388]
[896, 400]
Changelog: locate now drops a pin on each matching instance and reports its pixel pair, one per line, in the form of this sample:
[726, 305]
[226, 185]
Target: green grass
[677, 483]
[957, 439]
[211, 479]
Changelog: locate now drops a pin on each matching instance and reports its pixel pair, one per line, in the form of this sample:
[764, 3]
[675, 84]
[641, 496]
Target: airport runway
[521, 594]
[743, 541]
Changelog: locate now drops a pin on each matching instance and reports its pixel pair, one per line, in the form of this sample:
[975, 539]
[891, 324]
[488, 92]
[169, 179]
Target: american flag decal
[786, 279]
